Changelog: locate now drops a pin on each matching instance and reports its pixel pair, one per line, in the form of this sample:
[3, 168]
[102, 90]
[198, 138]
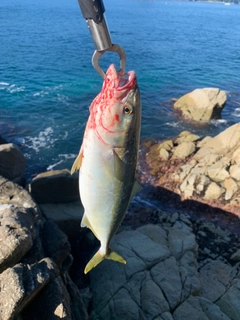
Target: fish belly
[104, 197]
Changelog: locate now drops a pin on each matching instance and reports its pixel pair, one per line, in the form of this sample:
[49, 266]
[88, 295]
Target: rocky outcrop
[206, 170]
[172, 272]
[34, 261]
[12, 162]
[201, 104]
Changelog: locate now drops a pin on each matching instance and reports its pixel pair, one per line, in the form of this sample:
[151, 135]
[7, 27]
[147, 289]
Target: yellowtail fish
[108, 159]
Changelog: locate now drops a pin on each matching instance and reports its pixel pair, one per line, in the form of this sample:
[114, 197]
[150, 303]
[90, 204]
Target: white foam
[47, 91]
[49, 168]
[172, 124]
[236, 112]
[43, 140]
[218, 122]
[65, 156]
[12, 88]
[68, 156]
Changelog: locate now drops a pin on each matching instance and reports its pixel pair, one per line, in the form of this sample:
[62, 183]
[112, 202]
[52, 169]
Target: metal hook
[98, 54]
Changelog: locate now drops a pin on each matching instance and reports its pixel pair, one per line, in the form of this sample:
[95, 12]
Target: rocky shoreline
[179, 265]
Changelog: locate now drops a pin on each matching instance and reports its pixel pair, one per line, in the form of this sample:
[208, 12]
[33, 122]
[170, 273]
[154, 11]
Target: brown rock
[202, 104]
[184, 150]
[213, 192]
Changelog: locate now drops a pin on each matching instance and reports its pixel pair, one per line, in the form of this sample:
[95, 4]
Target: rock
[186, 136]
[201, 104]
[224, 144]
[59, 308]
[236, 155]
[12, 162]
[55, 187]
[55, 244]
[198, 308]
[20, 284]
[164, 154]
[67, 216]
[203, 141]
[154, 280]
[206, 172]
[16, 235]
[184, 150]
[217, 171]
[34, 262]
[235, 172]
[213, 192]
[215, 277]
[11, 194]
[78, 309]
[160, 150]
[229, 302]
[236, 256]
[2, 140]
[231, 187]
[60, 301]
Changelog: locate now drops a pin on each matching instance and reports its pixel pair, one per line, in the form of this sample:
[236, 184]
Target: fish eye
[127, 109]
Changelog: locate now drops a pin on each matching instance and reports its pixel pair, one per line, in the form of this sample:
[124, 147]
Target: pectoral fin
[78, 162]
[85, 223]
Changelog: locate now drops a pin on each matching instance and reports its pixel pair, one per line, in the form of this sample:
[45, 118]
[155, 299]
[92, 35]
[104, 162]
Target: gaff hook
[98, 54]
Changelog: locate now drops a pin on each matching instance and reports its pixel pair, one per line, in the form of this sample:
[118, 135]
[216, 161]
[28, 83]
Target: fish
[108, 160]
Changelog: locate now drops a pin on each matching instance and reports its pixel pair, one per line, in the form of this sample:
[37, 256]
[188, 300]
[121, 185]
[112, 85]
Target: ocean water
[47, 81]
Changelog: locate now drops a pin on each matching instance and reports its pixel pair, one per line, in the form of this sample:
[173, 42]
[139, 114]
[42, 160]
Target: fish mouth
[119, 80]
[126, 81]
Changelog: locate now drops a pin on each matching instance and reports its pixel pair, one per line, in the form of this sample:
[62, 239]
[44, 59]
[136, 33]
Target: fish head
[117, 109]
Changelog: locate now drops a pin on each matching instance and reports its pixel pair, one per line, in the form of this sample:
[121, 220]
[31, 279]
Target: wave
[236, 113]
[11, 88]
[43, 140]
[47, 91]
[64, 159]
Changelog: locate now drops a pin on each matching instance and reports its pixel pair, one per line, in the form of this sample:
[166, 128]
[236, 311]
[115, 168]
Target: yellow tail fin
[97, 258]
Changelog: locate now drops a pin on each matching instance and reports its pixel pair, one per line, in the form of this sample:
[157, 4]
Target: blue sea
[47, 81]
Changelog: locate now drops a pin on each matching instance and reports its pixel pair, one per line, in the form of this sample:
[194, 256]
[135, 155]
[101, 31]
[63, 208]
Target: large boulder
[201, 104]
[57, 186]
[12, 162]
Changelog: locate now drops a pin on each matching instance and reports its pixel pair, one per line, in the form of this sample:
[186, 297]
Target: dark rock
[55, 187]
[2, 140]
[55, 243]
[18, 285]
[12, 161]
[52, 303]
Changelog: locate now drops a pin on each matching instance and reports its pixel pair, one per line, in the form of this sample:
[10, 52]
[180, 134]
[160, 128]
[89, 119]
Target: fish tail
[98, 257]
